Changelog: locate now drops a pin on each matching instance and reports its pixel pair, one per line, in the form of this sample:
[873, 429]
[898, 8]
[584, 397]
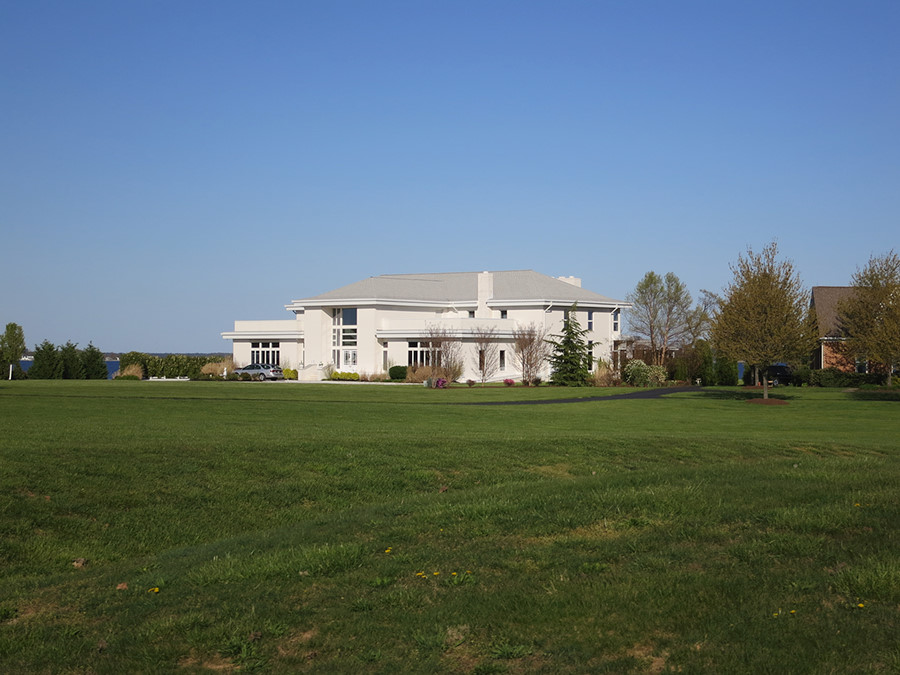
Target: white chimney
[485, 292]
[575, 281]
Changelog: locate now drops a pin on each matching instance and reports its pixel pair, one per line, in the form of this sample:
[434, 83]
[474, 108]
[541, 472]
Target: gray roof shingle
[515, 285]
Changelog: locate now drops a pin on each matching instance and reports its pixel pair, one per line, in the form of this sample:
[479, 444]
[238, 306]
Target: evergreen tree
[571, 357]
[46, 365]
[93, 363]
[726, 371]
[71, 362]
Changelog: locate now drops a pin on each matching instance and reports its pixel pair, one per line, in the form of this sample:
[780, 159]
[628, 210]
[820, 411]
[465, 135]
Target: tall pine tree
[46, 365]
[570, 361]
[93, 363]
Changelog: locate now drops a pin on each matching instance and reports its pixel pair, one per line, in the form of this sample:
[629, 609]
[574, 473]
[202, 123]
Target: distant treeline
[170, 365]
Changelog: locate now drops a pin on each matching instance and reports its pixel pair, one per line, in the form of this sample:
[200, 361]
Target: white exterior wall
[306, 341]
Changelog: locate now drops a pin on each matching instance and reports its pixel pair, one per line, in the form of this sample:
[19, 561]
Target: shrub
[130, 372]
[245, 377]
[508, 382]
[349, 377]
[832, 377]
[471, 383]
[657, 376]
[217, 367]
[397, 372]
[418, 374]
[637, 373]
[440, 383]
[602, 375]
[289, 373]
[800, 376]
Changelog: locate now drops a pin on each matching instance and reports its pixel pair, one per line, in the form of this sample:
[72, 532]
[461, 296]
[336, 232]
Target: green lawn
[351, 528]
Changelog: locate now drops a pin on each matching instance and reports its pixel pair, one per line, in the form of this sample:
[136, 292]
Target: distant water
[111, 367]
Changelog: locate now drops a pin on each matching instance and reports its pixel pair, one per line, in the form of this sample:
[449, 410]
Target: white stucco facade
[368, 326]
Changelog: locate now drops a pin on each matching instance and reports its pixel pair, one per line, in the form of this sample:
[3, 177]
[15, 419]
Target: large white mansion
[382, 321]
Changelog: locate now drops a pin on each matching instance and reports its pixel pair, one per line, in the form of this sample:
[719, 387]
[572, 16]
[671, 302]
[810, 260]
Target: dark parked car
[261, 371]
[779, 374]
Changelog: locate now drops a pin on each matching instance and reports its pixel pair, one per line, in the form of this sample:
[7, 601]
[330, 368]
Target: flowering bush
[508, 382]
[657, 376]
[637, 373]
[440, 383]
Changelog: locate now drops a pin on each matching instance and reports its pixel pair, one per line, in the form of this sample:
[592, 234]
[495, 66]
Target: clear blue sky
[169, 166]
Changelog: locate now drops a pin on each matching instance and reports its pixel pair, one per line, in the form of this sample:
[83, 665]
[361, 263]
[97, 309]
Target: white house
[370, 325]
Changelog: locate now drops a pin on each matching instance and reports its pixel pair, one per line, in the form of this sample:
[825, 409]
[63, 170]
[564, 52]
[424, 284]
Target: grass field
[156, 527]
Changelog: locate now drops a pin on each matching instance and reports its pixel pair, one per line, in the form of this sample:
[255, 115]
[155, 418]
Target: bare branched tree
[487, 352]
[661, 312]
[444, 354]
[531, 349]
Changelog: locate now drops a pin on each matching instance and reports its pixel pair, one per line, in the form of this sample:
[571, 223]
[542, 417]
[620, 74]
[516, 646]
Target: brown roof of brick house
[825, 300]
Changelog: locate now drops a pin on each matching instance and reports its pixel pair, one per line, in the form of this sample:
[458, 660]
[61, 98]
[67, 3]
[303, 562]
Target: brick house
[825, 301]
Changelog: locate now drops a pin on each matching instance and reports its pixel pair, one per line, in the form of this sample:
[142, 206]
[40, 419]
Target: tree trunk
[765, 387]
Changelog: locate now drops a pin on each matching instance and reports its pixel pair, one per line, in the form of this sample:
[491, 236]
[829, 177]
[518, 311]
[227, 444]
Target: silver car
[261, 371]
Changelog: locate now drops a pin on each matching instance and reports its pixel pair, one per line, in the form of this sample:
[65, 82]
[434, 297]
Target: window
[615, 318]
[471, 313]
[590, 321]
[343, 334]
[265, 352]
[502, 359]
[502, 313]
[590, 354]
[419, 354]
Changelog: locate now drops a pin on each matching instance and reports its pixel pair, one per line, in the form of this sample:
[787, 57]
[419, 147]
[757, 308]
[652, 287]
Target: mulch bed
[767, 401]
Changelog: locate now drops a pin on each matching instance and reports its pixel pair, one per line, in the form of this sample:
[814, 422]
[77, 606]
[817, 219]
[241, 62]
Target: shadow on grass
[876, 395]
[744, 395]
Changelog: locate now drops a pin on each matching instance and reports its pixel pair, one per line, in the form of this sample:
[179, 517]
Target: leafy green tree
[72, 368]
[870, 318]
[47, 364]
[661, 313]
[763, 318]
[570, 361]
[93, 363]
[12, 347]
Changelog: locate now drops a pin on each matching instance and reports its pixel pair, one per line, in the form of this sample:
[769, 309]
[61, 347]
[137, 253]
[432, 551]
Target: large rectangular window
[590, 321]
[615, 318]
[343, 334]
[265, 352]
[502, 359]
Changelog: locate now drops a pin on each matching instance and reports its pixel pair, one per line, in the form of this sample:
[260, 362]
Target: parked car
[261, 371]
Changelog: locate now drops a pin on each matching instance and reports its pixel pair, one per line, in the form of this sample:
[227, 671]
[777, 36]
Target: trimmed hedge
[832, 377]
[397, 372]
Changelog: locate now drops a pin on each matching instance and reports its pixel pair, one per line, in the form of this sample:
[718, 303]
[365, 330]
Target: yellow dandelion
[436, 573]
[454, 574]
[861, 605]
[155, 589]
[793, 611]
[856, 504]
[387, 550]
